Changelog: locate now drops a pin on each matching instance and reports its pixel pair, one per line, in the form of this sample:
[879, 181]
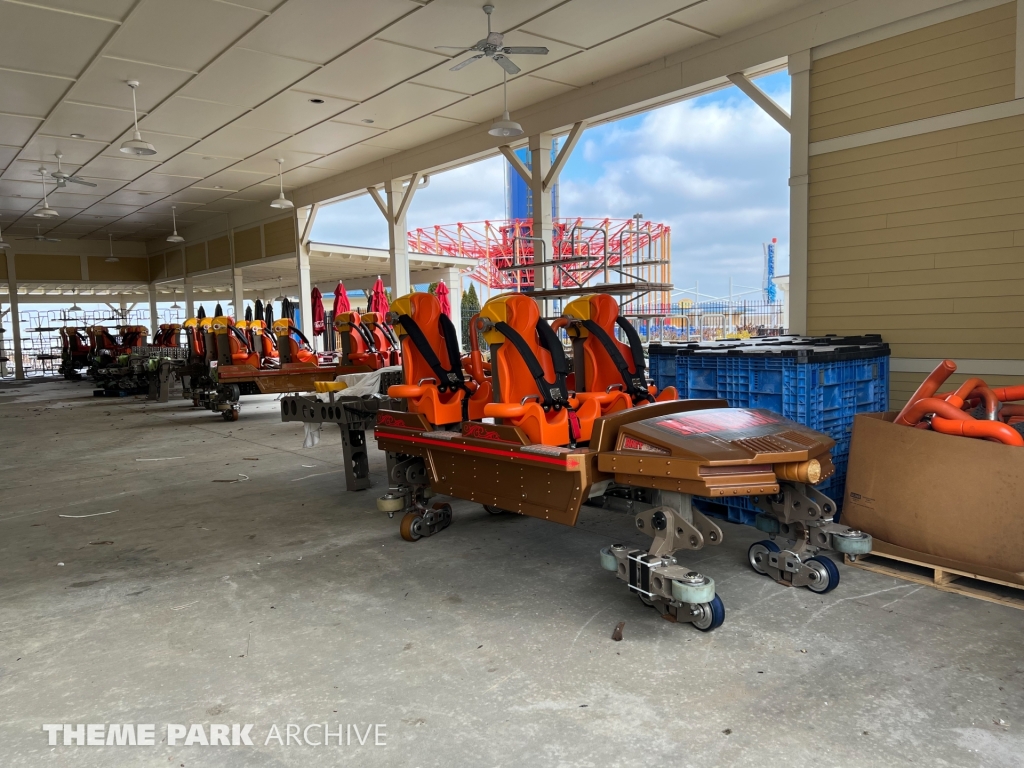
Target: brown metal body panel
[290, 377]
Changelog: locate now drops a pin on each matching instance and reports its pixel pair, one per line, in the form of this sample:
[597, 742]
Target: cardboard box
[952, 501]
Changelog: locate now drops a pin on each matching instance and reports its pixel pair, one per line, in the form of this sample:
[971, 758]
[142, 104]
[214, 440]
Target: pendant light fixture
[281, 201]
[111, 259]
[46, 212]
[74, 305]
[280, 293]
[506, 127]
[135, 145]
[175, 304]
[175, 238]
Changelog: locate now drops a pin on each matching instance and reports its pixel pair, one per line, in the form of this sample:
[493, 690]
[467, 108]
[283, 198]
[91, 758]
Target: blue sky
[714, 168]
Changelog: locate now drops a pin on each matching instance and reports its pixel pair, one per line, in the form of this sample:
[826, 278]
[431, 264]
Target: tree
[470, 306]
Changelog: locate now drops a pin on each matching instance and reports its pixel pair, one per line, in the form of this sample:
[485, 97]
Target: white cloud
[715, 169]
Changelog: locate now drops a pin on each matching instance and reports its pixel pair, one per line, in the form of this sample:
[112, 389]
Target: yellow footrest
[330, 386]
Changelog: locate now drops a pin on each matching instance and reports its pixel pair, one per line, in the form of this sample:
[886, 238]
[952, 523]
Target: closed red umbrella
[341, 300]
[317, 302]
[378, 298]
[444, 298]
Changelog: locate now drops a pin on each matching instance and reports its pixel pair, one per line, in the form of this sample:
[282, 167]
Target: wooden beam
[307, 228]
[407, 197]
[563, 154]
[516, 163]
[762, 99]
[378, 200]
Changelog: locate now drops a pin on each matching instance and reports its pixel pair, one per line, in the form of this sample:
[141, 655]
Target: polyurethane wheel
[231, 415]
[758, 554]
[711, 615]
[495, 510]
[827, 575]
[412, 526]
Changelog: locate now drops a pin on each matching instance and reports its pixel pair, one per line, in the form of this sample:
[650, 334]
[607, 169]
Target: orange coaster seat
[292, 346]
[358, 344]
[607, 370]
[194, 339]
[239, 351]
[529, 369]
[431, 364]
[263, 343]
[383, 337]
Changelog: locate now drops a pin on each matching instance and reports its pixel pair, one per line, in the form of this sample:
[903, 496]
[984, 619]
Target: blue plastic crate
[820, 382]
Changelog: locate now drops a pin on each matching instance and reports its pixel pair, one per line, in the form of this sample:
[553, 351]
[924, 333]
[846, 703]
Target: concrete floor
[283, 599]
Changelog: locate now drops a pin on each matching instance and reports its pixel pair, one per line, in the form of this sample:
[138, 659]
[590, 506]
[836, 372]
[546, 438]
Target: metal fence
[40, 333]
[707, 321]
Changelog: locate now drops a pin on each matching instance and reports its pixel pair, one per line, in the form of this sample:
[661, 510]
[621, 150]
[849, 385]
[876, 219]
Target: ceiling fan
[63, 178]
[40, 237]
[491, 47]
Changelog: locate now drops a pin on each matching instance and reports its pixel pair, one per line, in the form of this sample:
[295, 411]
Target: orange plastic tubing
[1007, 394]
[994, 430]
[1011, 410]
[928, 388]
[934, 405]
[964, 391]
[988, 397]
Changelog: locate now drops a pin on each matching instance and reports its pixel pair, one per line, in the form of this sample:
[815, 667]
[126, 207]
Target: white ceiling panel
[246, 78]
[160, 182]
[486, 107]
[197, 195]
[190, 117]
[228, 204]
[353, 157]
[485, 73]
[103, 186]
[29, 189]
[369, 69]
[76, 152]
[266, 162]
[105, 83]
[98, 123]
[191, 164]
[292, 111]
[401, 104]
[462, 22]
[107, 167]
[62, 199]
[423, 130]
[110, 210]
[133, 197]
[186, 34]
[587, 23]
[724, 16]
[630, 50]
[115, 10]
[306, 175]
[320, 30]
[329, 137]
[232, 180]
[7, 155]
[27, 94]
[29, 36]
[237, 141]
[184, 211]
[17, 204]
[16, 130]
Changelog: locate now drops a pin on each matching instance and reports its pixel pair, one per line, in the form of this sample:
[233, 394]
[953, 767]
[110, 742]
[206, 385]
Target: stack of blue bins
[819, 381]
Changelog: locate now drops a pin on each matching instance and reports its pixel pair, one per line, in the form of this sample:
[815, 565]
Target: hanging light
[505, 127]
[175, 238]
[111, 259]
[281, 201]
[135, 145]
[175, 304]
[280, 293]
[46, 212]
[74, 306]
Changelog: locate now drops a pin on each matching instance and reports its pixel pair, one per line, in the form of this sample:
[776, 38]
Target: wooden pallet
[941, 577]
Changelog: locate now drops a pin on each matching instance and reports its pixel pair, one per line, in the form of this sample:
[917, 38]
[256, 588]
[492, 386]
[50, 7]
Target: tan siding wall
[175, 263]
[125, 269]
[195, 257]
[959, 64]
[922, 240]
[247, 245]
[902, 385]
[32, 266]
[279, 237]
[3, 265]
[219, 252]
[157, 267]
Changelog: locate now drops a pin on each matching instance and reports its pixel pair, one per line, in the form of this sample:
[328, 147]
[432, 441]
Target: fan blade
[52, 240]
[467, 62]
[526, 49]
[507, 64]
[76, 180]
[452, 47]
